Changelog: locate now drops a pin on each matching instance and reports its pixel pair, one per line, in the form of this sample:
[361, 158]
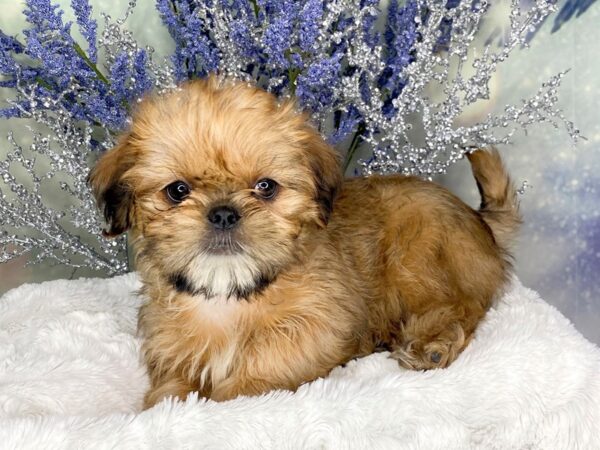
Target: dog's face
[217, 181]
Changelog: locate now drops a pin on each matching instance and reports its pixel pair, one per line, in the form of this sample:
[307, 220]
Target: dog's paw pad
[437, 353]
[435, 357]
[413, 356]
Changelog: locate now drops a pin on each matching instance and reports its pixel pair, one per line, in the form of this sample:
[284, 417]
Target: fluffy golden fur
[322, 271]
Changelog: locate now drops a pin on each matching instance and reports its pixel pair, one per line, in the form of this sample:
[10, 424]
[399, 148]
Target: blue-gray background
[558, 253]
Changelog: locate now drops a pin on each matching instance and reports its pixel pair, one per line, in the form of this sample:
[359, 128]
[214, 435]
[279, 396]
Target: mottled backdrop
[559, 250]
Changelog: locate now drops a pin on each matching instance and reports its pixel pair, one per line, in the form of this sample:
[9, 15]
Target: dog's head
[217, 181]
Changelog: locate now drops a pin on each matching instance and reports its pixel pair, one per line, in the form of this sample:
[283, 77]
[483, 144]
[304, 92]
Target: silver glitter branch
[429, 145]
[71, 237]
[115, 39]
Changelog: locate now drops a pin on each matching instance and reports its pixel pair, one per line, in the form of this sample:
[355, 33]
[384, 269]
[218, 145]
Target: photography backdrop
[558, 253]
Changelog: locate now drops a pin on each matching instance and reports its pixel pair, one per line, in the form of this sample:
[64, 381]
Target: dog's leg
[172, 387]
[287, 350]
[434, 339]
[238, 385]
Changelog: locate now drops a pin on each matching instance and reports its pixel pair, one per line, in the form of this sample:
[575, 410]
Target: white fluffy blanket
[70, 377]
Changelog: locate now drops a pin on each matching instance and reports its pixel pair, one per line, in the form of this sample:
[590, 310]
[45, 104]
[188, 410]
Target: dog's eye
[177, 191]
[266, 188]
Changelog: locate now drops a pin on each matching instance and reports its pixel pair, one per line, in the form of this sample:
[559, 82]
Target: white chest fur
[220, 311]
[221, 275]
[217, 326]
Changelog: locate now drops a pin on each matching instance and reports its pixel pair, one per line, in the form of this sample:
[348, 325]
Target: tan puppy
[263, 269]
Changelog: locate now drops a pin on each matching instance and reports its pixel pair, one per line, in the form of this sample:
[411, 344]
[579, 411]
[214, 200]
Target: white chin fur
[222, 275]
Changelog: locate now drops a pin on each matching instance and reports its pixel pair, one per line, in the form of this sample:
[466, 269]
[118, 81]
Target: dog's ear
[327, 173]
[113, 195]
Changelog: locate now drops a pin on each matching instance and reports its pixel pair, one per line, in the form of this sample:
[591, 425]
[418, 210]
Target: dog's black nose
[223, 217]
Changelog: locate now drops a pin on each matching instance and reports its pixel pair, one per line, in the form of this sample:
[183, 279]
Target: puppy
[264, 269]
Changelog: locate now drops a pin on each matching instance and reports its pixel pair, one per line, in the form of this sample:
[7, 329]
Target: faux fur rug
[70, 377]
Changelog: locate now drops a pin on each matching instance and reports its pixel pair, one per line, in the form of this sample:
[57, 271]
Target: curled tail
[499, 206]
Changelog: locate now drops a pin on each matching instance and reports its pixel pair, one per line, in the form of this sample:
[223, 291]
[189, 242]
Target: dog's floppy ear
[327, 174]
[113, 195]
